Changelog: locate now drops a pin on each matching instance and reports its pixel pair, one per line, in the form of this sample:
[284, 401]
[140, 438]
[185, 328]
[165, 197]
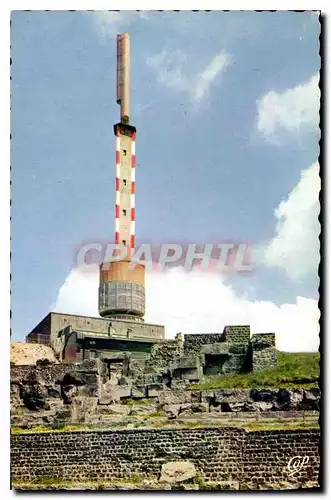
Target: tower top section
[123, 76]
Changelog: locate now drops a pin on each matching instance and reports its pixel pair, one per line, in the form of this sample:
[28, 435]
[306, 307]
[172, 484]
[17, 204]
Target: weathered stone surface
[143, 410]
[174, 397]
[124, 380]
[264, 351]
[258, 459]
[289, 398]
[216, 349]
[38, 394]
[138, 392]
[194, 342]
[232, 396]
[154, 390]
[34, 397]
[177, 472]
[195, 396]
[117, 409]
[164, 354]
[207, 396]
[111, 393]
[258, 406]
[172, 410]
[191, 408]
[311, 399]
[236, 406]
[235, 364]
[267, 395]
[179, 384]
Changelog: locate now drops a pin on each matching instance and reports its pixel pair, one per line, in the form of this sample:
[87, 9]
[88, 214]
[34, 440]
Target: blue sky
[226, 110]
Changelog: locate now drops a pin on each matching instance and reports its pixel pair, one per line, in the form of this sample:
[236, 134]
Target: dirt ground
[22, 353]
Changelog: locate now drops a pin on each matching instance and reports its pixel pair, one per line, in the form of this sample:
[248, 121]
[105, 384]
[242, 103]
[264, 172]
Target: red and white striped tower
[122, 290]
[125, 186]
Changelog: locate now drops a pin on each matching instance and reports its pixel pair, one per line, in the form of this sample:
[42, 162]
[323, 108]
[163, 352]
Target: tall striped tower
[122, 290]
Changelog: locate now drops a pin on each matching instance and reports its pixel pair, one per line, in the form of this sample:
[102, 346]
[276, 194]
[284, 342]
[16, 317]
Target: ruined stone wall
[240, 334]
[58, 394]
[264, 351]
[194, 342]
[49, 373]
[219, 454]
[163, 355]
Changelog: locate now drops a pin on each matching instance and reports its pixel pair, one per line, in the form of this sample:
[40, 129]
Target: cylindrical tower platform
[122, 290]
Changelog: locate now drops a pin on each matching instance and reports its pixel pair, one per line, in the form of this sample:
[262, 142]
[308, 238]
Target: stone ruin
[98, 393]
[96, 390]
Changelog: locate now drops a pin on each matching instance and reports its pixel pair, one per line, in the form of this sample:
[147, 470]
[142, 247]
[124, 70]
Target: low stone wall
[253, 459]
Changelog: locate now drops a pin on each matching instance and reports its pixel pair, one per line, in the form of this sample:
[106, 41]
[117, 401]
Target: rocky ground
[22, 353]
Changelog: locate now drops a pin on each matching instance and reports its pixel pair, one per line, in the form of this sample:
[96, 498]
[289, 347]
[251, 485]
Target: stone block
[139, 391]
[232, 396]
[195, 396]
[117, 409]
[192, 408]
[267, 395]
[207, 396]
[154, 390]
[114, 393]
[217, 348]
[177, 472]
[174, 397]
[289, 399]
[259, 406]
[143, 410]
[236, 406]
[172, 410]
[234, 364]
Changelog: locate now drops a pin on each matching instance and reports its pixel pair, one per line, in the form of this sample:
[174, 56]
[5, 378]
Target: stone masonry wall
[237, 334]
[219, 454]
[193, 342]
[163, 354]
[264, 351]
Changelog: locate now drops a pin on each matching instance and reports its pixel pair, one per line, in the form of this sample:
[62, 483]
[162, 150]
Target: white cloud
[206, 78]
[290, 110]
[171, 72]
[295, 247]
[109, 23]
[79, 292]
[197, 302]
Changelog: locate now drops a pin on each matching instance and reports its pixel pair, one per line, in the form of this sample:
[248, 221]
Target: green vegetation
[157, 413]
[136, 402]
[302, 422]
[42, 428]
[45, 482]
[199, 480]
[72, 427]
[280, 425]
[293, 369]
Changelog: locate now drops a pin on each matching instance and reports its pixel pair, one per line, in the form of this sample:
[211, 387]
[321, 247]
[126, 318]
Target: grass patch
[292, 368]
[280, 425]
[59, 482]
[71, 428]
[158, 413]
[42, 428]
[136, 402]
